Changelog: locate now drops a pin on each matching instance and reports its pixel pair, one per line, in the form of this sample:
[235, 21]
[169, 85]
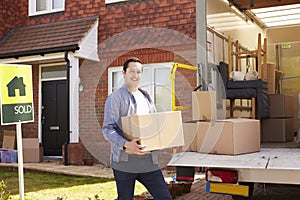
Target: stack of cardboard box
[32, 149]
[279, 127]
[8, 154]
[207, 134]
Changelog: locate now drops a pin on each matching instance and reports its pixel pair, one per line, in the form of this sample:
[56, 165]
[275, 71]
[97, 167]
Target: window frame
[112, 70]
[33, 12]
[152, 67]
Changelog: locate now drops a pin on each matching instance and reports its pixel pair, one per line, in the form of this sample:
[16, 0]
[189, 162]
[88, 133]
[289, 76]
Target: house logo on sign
[16, 84]
[16, 94]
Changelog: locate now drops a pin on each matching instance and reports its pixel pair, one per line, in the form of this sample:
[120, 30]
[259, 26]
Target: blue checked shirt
[119, 104]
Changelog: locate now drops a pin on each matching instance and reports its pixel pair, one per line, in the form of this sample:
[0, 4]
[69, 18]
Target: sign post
[16, 105]
[20, 160]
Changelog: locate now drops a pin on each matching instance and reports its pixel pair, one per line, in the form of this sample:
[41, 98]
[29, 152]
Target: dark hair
[133, 59]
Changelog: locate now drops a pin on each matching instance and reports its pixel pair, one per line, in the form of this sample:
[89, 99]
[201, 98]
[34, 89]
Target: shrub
[4, 194]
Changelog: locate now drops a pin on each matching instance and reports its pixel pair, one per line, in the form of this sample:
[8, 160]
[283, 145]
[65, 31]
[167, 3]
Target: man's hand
[134, 147]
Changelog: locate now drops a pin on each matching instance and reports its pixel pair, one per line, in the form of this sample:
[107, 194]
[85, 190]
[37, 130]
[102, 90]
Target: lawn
[48, 186]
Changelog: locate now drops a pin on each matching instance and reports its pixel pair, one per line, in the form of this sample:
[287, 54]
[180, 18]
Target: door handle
[54, 128]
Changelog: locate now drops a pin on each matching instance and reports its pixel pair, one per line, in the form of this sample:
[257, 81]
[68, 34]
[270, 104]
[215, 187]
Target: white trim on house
[74, 99]
[112, 70]
[88, 46]
[29, 59]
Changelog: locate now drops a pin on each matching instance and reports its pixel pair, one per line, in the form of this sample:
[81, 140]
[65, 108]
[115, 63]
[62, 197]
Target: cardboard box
[9, 156]
[271, 78]
[277, 130]
[190, 130]
[156, 130]
[268, 74]
[281, 106]
[204, 105]
[9, 140]
[32, 150]
[230, 136]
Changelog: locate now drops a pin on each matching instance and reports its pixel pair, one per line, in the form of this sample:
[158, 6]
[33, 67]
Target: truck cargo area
[269, 165]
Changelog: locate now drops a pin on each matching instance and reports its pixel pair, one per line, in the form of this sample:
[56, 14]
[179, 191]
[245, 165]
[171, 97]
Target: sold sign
[16, 94]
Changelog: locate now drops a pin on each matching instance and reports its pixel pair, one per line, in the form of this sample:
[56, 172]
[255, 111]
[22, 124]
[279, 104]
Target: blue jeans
[153, 181]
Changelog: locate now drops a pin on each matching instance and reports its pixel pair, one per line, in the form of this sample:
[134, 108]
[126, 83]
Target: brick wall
[8, 16]
[171, 14]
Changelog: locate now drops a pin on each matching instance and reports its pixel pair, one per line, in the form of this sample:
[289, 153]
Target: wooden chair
[260, 54]
[255, 90]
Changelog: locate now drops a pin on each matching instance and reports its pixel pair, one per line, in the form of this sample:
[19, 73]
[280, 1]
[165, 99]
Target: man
[129, 160]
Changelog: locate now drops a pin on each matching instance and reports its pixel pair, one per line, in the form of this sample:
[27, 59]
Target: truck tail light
[221, 176]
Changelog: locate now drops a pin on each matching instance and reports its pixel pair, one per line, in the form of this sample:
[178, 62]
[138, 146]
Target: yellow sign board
[16, 93]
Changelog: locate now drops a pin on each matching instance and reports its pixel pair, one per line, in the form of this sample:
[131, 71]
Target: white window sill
[114, 1]
[45, 12]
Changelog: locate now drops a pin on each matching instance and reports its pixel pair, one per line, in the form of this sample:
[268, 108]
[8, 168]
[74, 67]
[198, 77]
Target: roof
[45, 38]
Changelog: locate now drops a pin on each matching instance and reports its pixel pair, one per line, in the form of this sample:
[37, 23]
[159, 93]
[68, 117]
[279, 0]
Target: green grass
[47, 186]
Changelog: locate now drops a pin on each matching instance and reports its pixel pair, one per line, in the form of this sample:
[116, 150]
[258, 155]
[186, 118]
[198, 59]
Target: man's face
[132, 76]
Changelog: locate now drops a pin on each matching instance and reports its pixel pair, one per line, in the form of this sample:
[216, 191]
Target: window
[51, 72]
[155, 80]
[39, 7]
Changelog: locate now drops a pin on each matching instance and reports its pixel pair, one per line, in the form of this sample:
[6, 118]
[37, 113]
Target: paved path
[58, 168]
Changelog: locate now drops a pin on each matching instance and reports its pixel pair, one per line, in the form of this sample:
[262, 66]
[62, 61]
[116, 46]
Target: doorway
[54, 117]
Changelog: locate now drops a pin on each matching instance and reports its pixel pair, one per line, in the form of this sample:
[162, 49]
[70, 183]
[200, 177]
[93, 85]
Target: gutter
[41, 52]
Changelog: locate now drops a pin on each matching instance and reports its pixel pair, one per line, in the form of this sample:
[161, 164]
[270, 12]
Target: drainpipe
[66, 161]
